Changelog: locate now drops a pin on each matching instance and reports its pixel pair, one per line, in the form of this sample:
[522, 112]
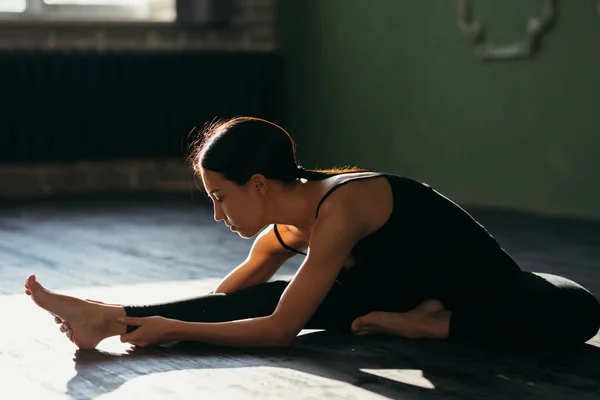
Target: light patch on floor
[412, 377]
[241, 383]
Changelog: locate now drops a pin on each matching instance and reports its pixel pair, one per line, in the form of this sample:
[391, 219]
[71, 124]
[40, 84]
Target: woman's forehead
[213, 180]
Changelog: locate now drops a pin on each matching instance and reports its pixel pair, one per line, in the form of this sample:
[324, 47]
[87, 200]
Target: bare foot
[428, 320]
[85, 323]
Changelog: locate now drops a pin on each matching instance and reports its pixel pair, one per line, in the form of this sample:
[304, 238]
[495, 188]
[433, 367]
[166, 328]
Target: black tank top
[351, 179]
[426, 234]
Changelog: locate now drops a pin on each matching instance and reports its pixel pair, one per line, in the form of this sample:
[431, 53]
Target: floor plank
[154, 248]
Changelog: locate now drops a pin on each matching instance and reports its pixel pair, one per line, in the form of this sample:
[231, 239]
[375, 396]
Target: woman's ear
[258, 184]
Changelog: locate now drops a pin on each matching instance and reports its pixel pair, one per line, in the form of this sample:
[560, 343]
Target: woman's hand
[151, 330]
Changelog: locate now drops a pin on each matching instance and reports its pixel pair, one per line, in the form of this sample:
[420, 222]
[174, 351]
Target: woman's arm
[264, 259]
[335, 233]
[253, 332]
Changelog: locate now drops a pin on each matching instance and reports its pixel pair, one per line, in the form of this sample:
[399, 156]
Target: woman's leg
[532, 310]
[541, 310]
[251, 302]
[91, 322]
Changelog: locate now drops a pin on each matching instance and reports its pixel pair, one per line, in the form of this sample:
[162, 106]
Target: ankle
[109, 320]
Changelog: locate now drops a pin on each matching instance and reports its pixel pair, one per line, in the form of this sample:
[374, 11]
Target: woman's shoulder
[367, 198]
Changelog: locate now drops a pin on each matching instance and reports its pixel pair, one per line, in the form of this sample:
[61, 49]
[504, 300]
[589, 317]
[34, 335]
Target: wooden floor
[154, 248]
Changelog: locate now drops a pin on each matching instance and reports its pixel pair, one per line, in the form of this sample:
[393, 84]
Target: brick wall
[252, 29]
[85, 178]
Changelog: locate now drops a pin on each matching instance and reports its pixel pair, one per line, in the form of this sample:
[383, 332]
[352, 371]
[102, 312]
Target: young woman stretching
[384, 254]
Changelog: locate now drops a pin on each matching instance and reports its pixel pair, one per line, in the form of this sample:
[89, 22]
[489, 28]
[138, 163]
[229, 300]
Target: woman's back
[431, 242]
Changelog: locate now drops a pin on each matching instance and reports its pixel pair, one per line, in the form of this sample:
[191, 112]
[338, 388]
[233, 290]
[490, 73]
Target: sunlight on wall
[98, 2]
[11, 6]
[144, 10]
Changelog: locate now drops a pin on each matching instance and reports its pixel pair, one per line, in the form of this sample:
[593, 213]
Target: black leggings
[538, 310]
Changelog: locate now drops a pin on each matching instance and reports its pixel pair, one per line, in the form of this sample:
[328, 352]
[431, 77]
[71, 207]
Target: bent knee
[582, 317]
[593, 312]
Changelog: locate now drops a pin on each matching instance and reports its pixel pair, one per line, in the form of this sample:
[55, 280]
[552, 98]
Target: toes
[30, 281]
[367, 330]
[360, 332]
[65, 327]
[58, 320]
[369, 324]
[369, 319]
[362, 329]
[357, 325]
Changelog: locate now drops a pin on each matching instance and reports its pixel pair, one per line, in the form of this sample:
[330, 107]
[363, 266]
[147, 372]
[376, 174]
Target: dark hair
[240, 147]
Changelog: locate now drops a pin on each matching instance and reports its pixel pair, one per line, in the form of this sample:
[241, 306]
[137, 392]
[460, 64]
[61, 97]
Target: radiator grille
[88, 106]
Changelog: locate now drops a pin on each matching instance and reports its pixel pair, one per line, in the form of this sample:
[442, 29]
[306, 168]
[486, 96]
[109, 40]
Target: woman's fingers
[65, 327]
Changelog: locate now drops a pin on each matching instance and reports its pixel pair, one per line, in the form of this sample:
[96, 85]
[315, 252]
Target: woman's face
[240, 207]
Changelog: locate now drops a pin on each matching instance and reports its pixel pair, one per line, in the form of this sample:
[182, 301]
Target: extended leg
[255, 301]
[87, 323]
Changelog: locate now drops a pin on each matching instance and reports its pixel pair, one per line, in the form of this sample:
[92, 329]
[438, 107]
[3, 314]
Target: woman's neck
[296, 205]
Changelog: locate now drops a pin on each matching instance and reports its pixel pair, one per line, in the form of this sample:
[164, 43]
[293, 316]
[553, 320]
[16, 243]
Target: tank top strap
[280, 239]
[363, 175]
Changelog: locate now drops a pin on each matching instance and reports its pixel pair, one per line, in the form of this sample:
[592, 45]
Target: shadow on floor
[386, 366]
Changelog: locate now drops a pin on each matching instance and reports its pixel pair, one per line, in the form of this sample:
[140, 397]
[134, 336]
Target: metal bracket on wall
[536, 27]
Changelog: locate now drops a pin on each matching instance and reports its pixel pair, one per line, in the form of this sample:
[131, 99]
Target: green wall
[394, 85]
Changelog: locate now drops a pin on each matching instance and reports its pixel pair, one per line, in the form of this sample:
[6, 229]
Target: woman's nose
[218, 213]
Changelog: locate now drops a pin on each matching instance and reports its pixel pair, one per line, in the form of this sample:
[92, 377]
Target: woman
[384, 254]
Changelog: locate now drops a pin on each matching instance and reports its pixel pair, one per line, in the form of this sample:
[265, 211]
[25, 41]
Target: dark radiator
[73, 106]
